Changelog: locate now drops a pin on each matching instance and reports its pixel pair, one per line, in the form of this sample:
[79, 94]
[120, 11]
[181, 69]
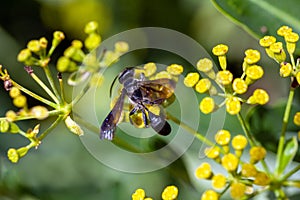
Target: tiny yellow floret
[283, 30]
[266, 41]
[204, 171]
[218, 181]
[224, 77]
[204, 65]
[149, 69]
[252, 56]
[230, 162]
[139, 194]
[212, 152]
[239, 86]
[248, 170]
[237, 190]
[203, 85]
[170, 193]
[175, 69]
[191, 79]
[297, 119]
[239, 142]
[222, 137]
[254, 72]
[207, 105]
[257, 153]
[210, 195]
[220, 50]
[233, 105]
[285, 69]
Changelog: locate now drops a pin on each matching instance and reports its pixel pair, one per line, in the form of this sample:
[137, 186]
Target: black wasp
[141, 93]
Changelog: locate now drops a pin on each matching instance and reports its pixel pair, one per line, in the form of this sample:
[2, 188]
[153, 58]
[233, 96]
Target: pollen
[224, 77]
[230, 162]
[191, 79]
[222, 137]
[239, 142]
[175, 69]
[220, 50]
[254, 72]
[218, 181]
[207, 105]
[233, 105]
[283, 30]
[297, 119]
[203, 85]
[210, 195]
[170, 193]
[203, 171]
[266, 41]
[285, 69]
[204, 65]
[252, 56]
[239, 86]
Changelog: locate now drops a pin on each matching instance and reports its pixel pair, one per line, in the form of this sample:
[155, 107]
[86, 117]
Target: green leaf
[288, 155]
[261, 17]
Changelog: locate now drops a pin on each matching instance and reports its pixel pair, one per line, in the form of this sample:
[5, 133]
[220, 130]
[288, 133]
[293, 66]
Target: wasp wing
[156, 91]
[109, 124]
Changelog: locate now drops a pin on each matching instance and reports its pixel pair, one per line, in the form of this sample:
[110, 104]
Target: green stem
[251, 138]
[20, 118]
[290, 173]
[47, 90]
[82, 92]
[190, 130]
[41, 99]
[284, 128]
[53, 125]
[51, 81]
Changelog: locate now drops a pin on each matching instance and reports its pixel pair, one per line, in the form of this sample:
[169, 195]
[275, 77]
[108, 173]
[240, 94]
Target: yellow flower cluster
[276, 51]
[240, 180]
[231, 87]
[169, 193]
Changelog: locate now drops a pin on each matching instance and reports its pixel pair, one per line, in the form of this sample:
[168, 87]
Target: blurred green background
[62, 168]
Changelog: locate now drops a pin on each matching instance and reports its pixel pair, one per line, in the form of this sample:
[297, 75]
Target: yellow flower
[239, 142]
[163, 74]
[279, 53]
[191, 79]
[24, 55]
[285, 69]
[170, 193]
[298, 77]
[230, 162]
[261, 96]
[254, 72]
[297, 119]
[233, 105]
[207, 105]
[218, 181]
[212, 152]
[203, 85]
[121, 47]
[92, 41]
[13, 155]
[248, 170]
[204, 65]
[10, 115]
[291, 38]
[224, 77]
[20, 101]
[239, 86]
[266, 41]
[14, 92]
[34, 46]
[283, 30]
[220, 50]
[252, 56]
[149, 69]
[237, 190]
[257, 153]
[210, 195]
[261, 178]
[222, 137]
[175, 69]
[39, 112]
[204, 171]
[139, 194]
[91, 27]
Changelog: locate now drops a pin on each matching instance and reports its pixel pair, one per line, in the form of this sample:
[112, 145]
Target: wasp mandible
[141, 93]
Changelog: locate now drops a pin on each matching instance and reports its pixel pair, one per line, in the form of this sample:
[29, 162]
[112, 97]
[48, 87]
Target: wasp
[141, 94]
